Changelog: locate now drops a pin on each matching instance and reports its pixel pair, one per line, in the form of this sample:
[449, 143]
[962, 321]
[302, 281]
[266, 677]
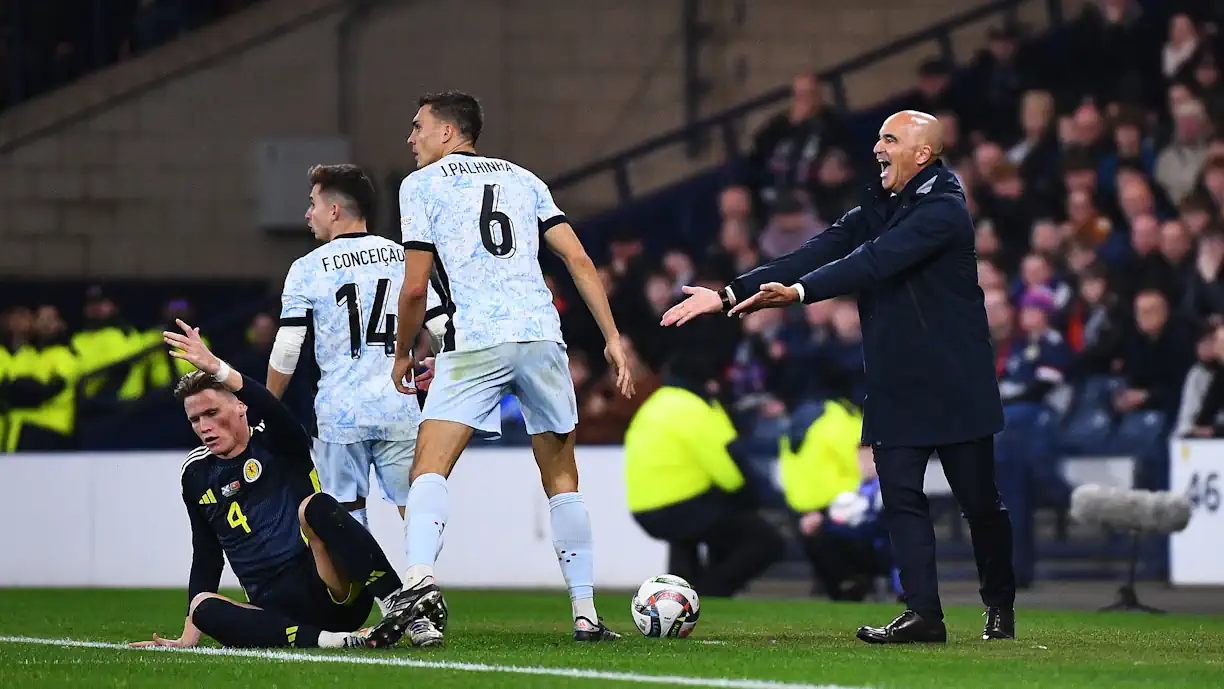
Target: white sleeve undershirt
[287, 348]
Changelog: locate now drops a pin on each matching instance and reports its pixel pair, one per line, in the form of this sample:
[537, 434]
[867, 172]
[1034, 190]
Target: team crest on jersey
[228, 490]
[252, 470]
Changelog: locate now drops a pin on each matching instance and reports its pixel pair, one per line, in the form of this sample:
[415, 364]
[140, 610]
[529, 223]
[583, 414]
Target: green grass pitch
[504, 639]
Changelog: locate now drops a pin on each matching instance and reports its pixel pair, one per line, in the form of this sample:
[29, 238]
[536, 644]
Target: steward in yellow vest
[45, 373]
[682, 481]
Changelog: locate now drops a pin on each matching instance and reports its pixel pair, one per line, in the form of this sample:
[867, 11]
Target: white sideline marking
[573, 673]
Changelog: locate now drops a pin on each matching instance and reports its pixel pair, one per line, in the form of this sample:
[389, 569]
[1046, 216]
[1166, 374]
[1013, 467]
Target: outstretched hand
[699, 302]
[190, 347]
[160, 642]
[771, 296]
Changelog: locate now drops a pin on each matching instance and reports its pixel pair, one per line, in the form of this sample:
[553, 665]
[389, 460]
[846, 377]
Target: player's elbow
[415, 292]
[578, 262]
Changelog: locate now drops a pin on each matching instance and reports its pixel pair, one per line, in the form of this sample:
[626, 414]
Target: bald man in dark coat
[908, 252]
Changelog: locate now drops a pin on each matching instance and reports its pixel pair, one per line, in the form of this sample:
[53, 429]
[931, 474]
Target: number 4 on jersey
[350, 296]
[504, 246]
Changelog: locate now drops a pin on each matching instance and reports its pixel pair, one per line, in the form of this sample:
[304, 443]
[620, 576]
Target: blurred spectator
[43, 415]
[1154, 358]
[704, 499]
[989, 276]
[1194, 417]
[790, 146]
[1086, 223]
[1209, 86]
[1000, 320]
[1179, 163]
[1204, 298]
[605, 413]
[1047, 240]
[996, 79]
[1038, 358]
[835, 192]
[1177, 59]
[989, 247]
[1197, 212]
[933, 93]
[1213, 181]
[793, 224]
[736, 251]
[260, 336]
[1037, 361]
[1130, 149]
[1037, 152]
[1037, 272]
[1094, 323]
[103, 340]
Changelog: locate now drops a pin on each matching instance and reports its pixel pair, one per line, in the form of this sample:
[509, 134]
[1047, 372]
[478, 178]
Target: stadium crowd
[1097, 197]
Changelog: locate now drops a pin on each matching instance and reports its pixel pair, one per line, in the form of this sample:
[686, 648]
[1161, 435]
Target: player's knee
[316, 508]
[199, 600]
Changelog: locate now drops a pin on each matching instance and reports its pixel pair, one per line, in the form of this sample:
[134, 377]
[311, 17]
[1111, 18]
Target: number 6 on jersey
[503, 248]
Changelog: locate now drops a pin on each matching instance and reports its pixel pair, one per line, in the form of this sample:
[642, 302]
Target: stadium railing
[728, 123]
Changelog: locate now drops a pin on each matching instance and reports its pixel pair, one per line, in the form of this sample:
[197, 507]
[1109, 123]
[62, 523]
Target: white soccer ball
[665, 606]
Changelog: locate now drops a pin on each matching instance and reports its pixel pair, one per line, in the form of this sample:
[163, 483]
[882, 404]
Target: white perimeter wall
[117, 520]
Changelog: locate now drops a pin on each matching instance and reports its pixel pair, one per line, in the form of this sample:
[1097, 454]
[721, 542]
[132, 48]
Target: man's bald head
[909, 141]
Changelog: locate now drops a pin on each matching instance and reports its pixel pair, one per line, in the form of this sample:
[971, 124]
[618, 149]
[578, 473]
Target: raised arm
[280, 426]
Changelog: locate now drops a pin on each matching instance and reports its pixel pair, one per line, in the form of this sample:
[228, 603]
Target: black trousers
[740, 543]
[844, 565]
[970, 470]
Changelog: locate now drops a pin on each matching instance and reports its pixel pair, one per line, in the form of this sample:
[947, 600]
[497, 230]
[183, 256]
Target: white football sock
[571, 528]
[426, 515]
[332, 639]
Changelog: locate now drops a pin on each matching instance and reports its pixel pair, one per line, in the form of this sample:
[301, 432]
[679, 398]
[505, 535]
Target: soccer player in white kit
[478, 222]
[340, 302]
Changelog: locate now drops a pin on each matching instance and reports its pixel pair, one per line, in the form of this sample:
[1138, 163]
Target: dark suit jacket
[927, 351]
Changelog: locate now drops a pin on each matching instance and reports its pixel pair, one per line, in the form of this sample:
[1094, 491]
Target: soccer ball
[664, 606]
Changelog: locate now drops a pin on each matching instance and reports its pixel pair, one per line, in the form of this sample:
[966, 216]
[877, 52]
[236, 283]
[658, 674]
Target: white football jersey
[347, 293]
[484, 219]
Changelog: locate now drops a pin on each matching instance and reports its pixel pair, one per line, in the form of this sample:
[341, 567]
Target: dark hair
[458, 108]
[194, 383]
[348, 181]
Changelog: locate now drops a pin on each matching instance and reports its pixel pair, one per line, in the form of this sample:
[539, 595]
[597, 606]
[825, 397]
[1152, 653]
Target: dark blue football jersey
[247, 506]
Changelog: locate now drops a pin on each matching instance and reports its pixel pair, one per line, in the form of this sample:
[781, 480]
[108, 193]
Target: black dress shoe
[1000, 624]
[908, 628]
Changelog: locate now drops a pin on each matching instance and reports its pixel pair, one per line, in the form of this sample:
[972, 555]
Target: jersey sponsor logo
[208, 498]
[230, 489]
[252, 470]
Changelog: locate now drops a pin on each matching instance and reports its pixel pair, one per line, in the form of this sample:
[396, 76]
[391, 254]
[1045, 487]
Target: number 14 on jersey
[349, 295]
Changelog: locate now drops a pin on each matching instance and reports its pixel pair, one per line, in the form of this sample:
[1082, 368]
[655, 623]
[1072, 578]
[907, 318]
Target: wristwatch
[725, 295]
